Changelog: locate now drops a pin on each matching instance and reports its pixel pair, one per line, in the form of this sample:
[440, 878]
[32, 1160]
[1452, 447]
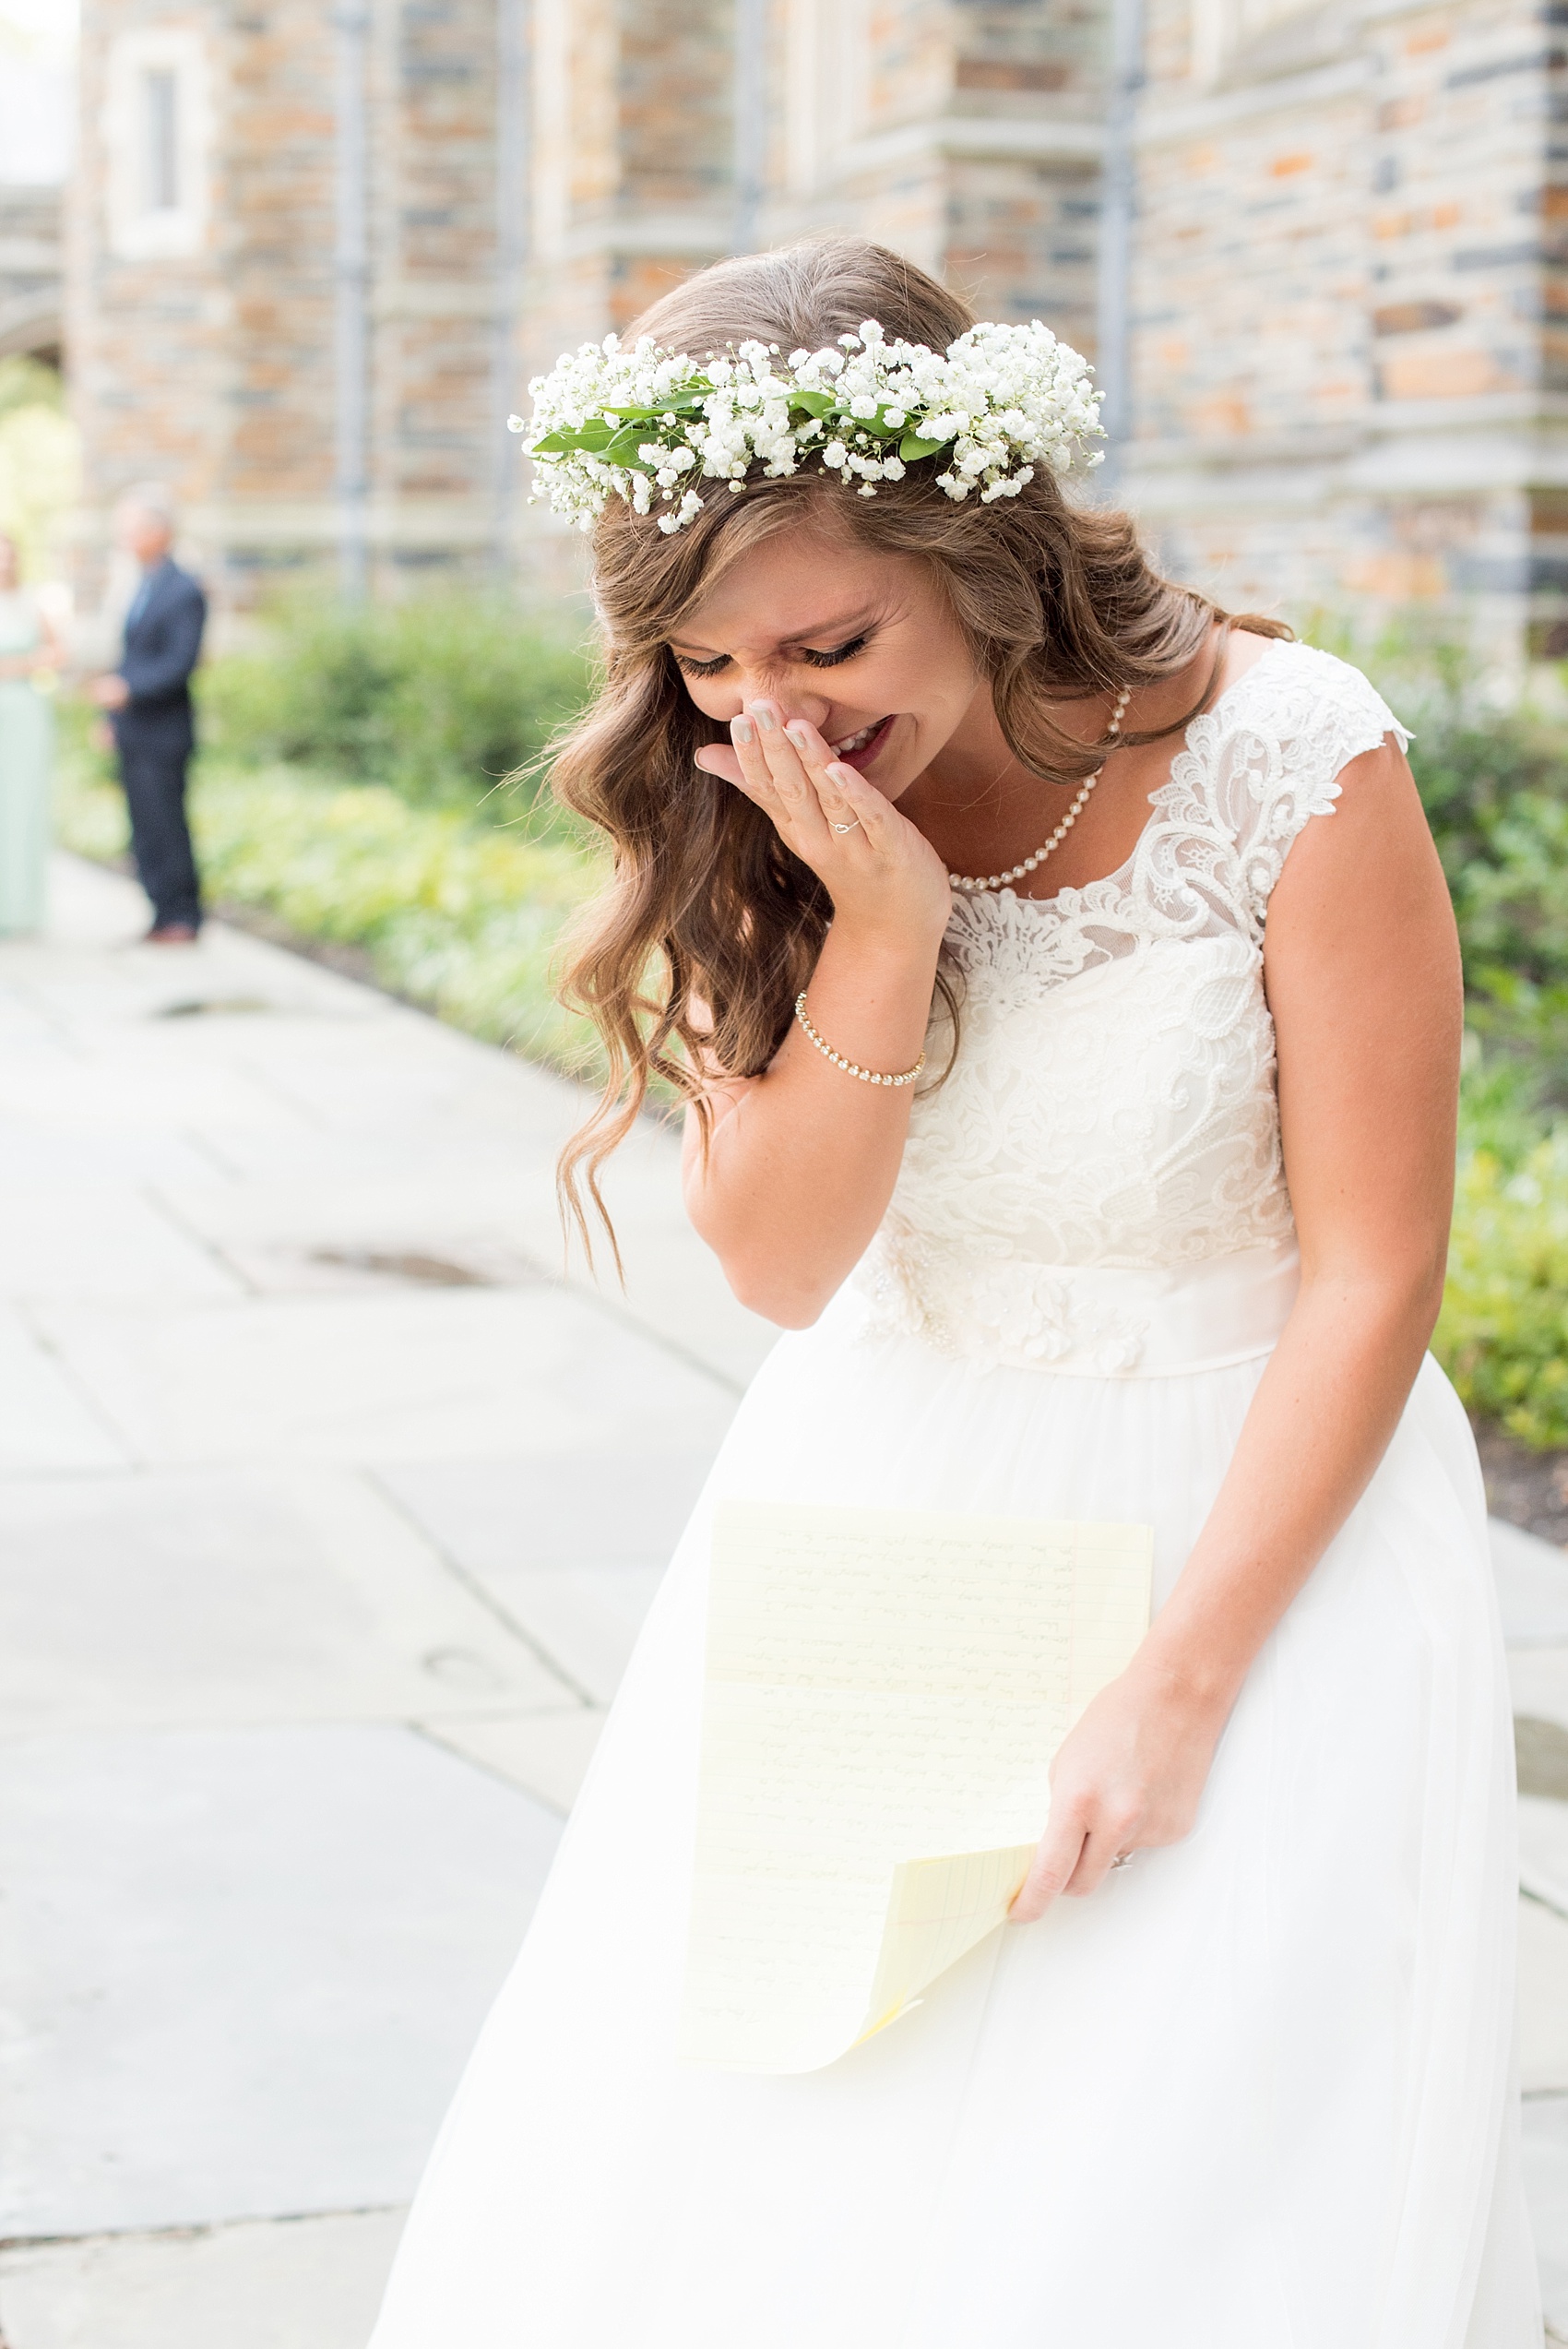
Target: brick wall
[1344, 394]
[207, 359]
[966, 135]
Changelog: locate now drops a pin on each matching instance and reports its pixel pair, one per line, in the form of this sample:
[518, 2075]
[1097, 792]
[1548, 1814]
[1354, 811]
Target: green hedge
[461, 917]
[358, 782]
[1496, 794]
[1503, 1334]
[439, 698]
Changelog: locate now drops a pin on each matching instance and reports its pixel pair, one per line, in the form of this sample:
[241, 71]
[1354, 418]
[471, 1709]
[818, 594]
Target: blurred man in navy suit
[148, 701]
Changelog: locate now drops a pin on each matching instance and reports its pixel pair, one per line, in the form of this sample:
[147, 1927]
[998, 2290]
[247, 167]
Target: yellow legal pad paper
[886, 1690]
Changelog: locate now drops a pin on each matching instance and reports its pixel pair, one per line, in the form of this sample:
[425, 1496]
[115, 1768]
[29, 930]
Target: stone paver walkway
[328, 1512]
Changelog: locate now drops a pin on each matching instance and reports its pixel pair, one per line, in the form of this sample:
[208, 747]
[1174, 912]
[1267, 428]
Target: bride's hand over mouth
[882, 874]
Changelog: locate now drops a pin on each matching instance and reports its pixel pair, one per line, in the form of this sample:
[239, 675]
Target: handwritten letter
[885, 1690]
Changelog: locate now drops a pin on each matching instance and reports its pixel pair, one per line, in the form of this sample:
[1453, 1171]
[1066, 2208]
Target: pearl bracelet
[866, 1076]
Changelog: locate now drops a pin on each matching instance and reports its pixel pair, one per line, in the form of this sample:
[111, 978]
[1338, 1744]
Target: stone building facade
[966, 136]
[205, 278]
[1343, 300]
[1349, 303]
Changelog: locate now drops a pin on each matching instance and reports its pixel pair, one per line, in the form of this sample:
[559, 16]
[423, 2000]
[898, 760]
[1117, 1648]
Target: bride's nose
[787, 690]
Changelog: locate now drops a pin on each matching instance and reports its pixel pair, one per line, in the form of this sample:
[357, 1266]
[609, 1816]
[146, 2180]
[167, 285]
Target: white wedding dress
[1257, 2092]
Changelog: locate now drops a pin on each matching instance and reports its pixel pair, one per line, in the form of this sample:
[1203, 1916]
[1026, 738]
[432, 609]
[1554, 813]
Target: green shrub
[39, 460]
[1502, 1333]
[1495, 784]
[438, 699]
[1497, 799]
[461, 917]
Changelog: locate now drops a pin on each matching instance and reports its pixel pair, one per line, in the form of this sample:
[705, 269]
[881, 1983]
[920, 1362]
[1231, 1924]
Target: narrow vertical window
[160, 110]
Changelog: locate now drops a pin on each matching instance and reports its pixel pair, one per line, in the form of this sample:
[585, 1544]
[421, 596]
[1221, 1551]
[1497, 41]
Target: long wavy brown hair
[708, 918]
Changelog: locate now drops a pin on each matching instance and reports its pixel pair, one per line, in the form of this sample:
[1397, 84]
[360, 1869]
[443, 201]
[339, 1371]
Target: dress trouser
[155, 747]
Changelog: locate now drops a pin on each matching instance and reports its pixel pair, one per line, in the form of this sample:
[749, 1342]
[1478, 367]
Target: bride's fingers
[745, 770]
[757, 777]
[851, 806]
[819, 804]
[1095, 1863]
[848, 798]
[822, 771]
[787, 771]
[1050, 1871]
[718, 758]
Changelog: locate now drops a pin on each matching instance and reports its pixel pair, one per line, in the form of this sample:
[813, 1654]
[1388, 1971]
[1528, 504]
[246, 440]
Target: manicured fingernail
[741, 729]
[764, 717]
[800, 735]
[840, 773]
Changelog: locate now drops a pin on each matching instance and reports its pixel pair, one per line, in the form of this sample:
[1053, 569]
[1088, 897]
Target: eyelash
[831, 660]
[813, 660]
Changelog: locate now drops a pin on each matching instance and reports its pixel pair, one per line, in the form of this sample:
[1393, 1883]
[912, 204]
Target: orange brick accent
[1439, 375]
[1396, 578]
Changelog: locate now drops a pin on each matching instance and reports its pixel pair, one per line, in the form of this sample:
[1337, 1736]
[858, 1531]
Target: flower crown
[648, 424]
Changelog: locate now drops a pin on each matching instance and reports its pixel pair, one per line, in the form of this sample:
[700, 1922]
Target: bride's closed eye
[841, 652]
[813, 660]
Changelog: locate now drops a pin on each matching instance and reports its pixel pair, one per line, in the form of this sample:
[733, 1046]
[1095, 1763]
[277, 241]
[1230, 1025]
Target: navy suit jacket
[162, 646]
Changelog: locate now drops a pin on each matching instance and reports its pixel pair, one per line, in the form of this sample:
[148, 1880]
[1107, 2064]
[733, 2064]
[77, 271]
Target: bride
[904, 754]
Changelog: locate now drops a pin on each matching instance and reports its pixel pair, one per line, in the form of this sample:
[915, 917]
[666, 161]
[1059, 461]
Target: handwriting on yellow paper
[886, 1690]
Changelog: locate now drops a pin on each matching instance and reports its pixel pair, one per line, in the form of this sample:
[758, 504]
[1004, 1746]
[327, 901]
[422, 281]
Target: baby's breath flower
[648, 425]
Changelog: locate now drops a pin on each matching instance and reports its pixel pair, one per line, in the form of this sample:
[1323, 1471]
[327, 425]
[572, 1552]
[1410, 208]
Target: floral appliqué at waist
[998, 1310]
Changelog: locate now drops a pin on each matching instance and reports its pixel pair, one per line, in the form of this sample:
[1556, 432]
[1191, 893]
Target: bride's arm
[803, 1161]
[1362, 971]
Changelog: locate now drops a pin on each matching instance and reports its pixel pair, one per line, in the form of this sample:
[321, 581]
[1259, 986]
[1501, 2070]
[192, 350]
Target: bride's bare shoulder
[1244, 648]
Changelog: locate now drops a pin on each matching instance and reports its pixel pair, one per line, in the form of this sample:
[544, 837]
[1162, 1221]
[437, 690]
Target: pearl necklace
[973, 881]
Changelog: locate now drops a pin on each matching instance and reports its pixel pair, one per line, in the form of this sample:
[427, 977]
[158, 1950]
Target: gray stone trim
[1220, 109]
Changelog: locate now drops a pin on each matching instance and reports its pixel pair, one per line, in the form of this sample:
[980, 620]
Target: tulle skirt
[1256, 2092]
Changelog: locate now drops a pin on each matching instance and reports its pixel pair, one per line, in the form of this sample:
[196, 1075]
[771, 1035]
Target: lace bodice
[1111, 1101]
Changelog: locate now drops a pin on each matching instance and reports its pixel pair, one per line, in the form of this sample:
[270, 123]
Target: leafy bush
[1496, 793]
[39, 460]
[438, 698]
[459, 917]
[1502, 1333]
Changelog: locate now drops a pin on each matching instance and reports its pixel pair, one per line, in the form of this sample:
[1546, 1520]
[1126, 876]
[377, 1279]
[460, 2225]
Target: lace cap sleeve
[1295, 721]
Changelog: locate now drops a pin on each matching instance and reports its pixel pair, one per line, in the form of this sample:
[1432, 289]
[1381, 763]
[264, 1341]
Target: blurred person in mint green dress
[29, 652]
